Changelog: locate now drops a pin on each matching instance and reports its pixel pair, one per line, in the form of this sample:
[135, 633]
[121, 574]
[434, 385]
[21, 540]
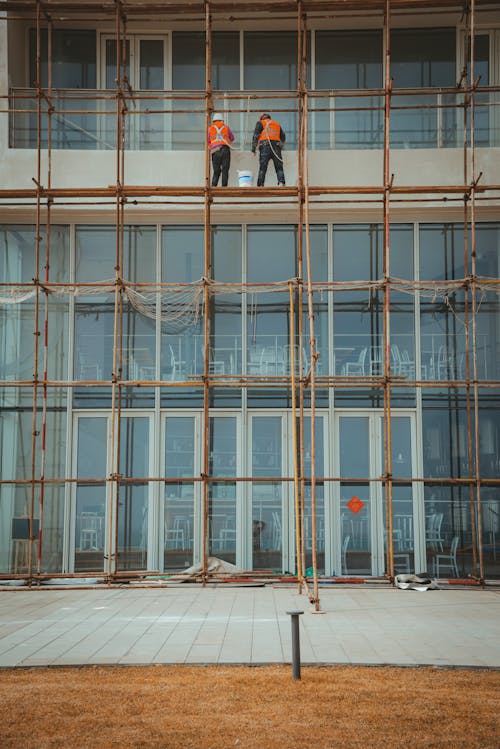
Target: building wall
[141, 417]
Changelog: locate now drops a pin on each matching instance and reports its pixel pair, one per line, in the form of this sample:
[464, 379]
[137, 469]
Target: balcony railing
[175, 121]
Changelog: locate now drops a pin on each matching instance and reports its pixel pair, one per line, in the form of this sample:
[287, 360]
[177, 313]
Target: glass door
[320, 494]
[181, 466]
[97, 530]
[146, 71]
[224, 518]
[92, 494]
[356, 495]
[267, 519]
[360, 453]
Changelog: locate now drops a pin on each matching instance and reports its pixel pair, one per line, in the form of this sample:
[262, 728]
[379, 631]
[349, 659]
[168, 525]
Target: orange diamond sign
[355, 505]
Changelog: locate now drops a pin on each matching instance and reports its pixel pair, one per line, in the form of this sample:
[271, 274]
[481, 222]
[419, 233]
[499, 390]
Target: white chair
[177, 364]
[448, 561]
[450, 366]
[287, 351]
[395, 360]
[356, 367]
[90, 531]
[226, 540]
[254, 359]
[174, 537]
[345, 544]
[433, 533]
[89, 368]
[407, 366]
[276, 531]
[143, 365]
[272, 361]
[376, 362]
[320, 533]
[216, 366]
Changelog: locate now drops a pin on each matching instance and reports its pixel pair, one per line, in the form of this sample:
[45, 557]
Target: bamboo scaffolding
[45, 197]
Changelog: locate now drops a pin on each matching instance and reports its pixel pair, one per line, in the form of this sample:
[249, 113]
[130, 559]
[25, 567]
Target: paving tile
[189, 624]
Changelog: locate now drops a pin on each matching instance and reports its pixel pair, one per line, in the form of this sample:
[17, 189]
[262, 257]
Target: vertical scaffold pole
[387, 296]
[206, 291]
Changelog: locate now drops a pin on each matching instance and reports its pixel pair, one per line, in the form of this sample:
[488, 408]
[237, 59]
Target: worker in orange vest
[220, 138]
[270, 138]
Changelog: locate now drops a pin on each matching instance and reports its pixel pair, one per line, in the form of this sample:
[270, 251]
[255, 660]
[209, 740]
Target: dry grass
[219, 707]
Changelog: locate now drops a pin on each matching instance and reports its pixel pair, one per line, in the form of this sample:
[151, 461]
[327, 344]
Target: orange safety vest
[271, 131]
[218, 134]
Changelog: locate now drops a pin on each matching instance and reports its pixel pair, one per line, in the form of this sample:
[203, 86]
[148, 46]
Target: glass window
[423, 58]
[188, 60]
[483, 110]
[320, 493]
[358, 327]
[442, 318]
[73, 58]
[111, 62]
[18, 253]
[271, 257]
[349, 59]
[270, 60]
[267, 531]
[222, 494]
[179, 497]
[226, 320]
[151, 64]
[133, 497]
[226, 60]
[355, 498]
[91, 496]
[488, 303]
[182, 339]
[94, 314]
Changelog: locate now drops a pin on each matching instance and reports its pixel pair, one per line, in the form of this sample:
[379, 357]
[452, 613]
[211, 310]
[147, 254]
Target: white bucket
[245, 179]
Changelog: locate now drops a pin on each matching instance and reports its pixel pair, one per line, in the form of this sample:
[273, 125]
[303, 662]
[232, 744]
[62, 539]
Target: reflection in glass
[320, 494]
[444, 423]
[423, 58]
[188, 60]
[179, 497]
[225, 354]
[73, 58]
[448, 530]
[133, 498]
[222, 495]
[355, 500]
[442, 316]
[91, 497]
[267, 519]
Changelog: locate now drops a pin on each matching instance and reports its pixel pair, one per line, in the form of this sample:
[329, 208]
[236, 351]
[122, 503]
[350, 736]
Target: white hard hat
[217, 116]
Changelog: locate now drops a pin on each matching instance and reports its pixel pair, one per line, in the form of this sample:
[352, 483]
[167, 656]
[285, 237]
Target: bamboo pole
[36, 324]
[206, 296]
[476, 532]
[387, 296]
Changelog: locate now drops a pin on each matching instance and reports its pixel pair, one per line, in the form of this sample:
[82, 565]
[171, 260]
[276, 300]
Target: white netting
[16, 295]
[177, 309]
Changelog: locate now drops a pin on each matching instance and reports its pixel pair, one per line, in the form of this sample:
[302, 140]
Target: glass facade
[146, 346]
[344, 77]
[186, 371]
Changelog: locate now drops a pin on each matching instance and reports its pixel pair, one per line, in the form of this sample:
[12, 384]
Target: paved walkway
[220, 624]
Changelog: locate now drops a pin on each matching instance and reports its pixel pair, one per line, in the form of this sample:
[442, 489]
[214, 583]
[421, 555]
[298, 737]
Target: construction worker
[220, 138]
[270, 138]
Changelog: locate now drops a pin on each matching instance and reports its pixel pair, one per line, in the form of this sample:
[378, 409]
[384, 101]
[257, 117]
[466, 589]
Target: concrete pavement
[248, 625]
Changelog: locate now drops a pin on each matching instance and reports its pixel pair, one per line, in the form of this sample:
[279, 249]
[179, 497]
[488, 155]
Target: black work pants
[221, 159]
[270, 151]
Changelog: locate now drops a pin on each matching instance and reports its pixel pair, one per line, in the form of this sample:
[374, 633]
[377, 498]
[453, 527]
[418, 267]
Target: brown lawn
[219, 707]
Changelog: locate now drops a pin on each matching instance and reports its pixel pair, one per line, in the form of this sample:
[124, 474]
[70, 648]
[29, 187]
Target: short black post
[295, 643]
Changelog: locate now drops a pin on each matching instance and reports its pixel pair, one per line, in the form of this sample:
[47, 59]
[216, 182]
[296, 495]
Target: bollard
[295, 643]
